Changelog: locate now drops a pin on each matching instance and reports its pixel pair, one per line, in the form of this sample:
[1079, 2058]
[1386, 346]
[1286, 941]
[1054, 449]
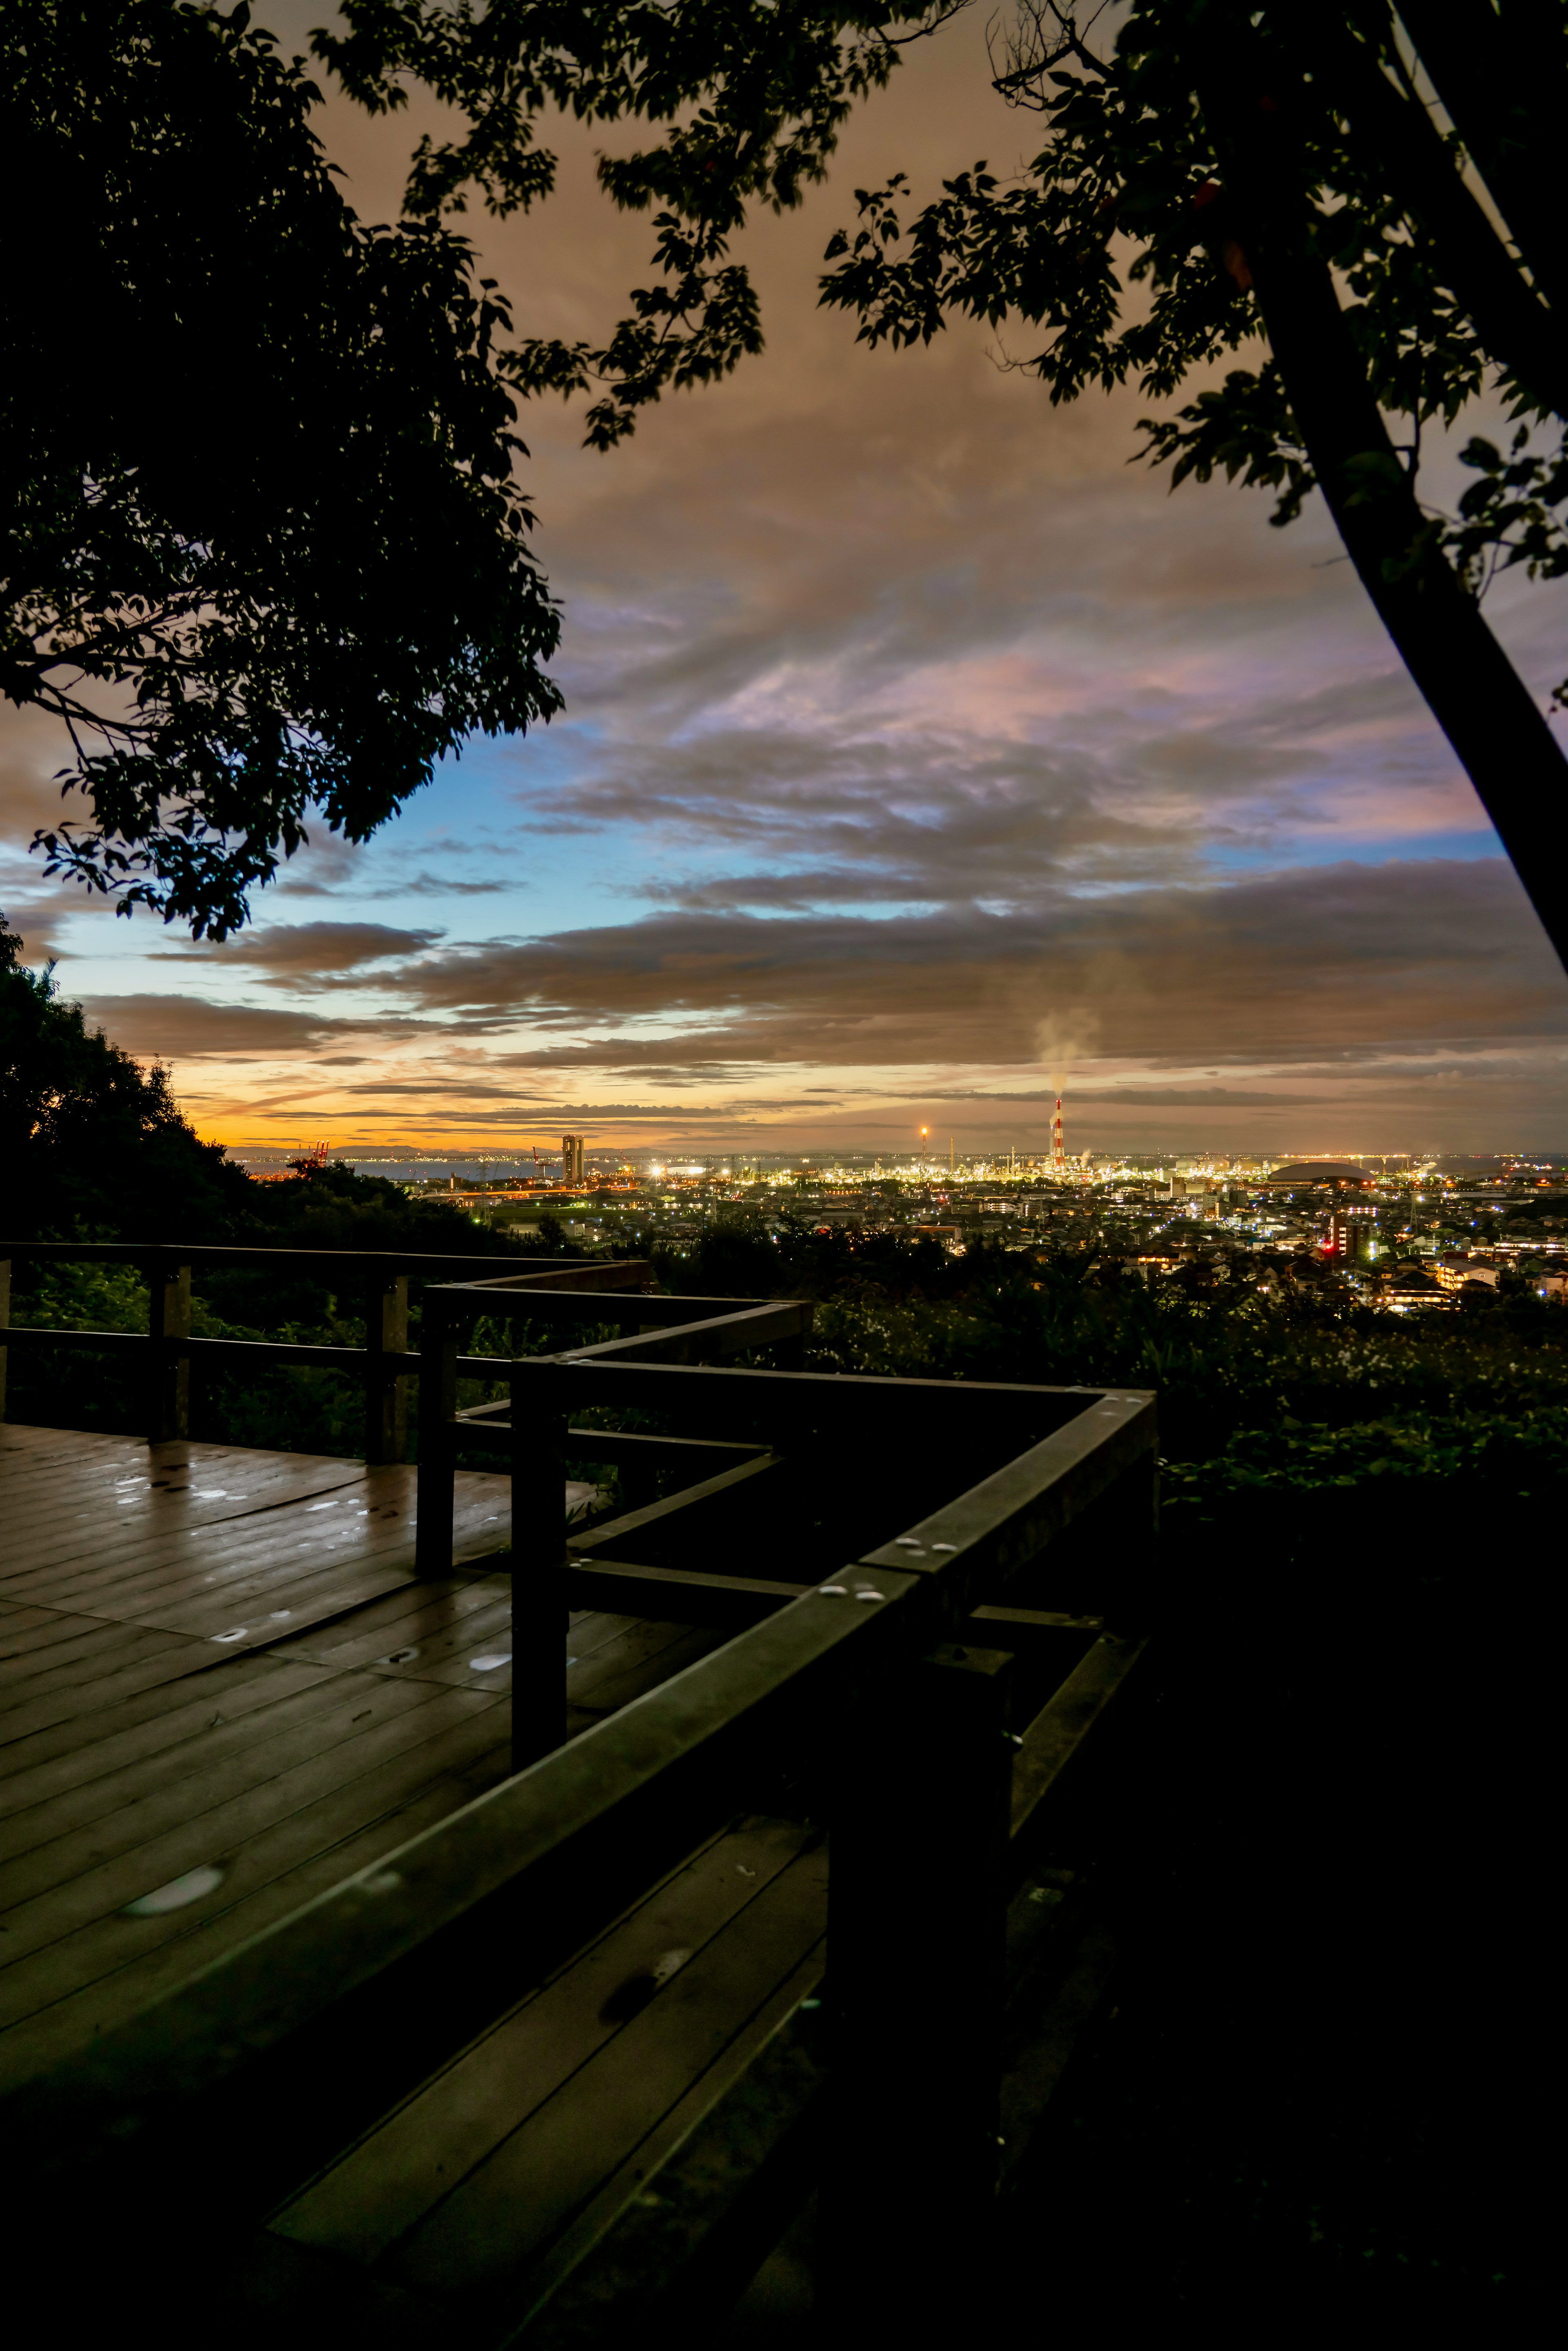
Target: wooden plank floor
[484, 2188]
[223, 1688]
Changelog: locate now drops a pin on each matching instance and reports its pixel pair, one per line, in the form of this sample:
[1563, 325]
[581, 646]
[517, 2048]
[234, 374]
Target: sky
[921, 756]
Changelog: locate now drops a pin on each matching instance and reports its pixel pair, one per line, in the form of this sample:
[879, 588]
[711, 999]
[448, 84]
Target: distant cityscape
[1402, 1230]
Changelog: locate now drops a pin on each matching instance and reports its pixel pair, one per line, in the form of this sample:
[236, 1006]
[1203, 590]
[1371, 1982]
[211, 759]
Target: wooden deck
[224, 1689]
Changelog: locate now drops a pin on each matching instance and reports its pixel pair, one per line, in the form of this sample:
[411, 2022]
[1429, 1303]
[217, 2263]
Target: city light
[1396, 1231]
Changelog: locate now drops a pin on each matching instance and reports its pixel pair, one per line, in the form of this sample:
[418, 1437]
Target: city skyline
[541, 1154]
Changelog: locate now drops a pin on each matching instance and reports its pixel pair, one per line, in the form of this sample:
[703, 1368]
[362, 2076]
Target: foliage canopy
[263, 550]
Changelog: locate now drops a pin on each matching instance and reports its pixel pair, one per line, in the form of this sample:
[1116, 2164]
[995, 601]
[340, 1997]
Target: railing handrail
[428, 1264]
[383, 1359]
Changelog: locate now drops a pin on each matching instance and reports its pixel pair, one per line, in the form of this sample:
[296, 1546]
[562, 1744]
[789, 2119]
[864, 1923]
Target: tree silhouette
[264, 547]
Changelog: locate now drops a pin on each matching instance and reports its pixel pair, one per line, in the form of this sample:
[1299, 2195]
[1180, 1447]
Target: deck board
[137, 1745]
[25, 1629]
[285, 1541]
[121, 1500]
[74, 1648]
[67, 1793]
[414, 1619]
[142, 1723]
[105, 1974]
[567, 2102]
[157, 1659]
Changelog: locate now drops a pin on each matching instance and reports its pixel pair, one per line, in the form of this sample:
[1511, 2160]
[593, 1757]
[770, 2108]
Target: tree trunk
[1509, 316]
[1493, 722]
[1501, 81]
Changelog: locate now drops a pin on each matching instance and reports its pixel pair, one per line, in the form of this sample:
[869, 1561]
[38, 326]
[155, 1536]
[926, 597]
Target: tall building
[1352, 1233]
[572, 1158]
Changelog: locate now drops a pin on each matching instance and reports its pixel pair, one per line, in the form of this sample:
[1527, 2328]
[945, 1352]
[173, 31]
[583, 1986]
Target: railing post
[916, 1929]
[789, 1355]
[5, 1324]
[538, 1580]
[435, 1490]
[168, 1317]
[386, 1393]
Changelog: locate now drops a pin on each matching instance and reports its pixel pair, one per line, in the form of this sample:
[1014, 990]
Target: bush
[1262, 1398]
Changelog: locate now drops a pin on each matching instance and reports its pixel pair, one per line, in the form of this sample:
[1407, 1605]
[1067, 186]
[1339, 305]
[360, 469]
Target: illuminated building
[1453, 1272]
[1351, 1234]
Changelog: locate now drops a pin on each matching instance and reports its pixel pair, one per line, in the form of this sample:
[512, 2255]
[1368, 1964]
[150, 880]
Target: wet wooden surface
[222, 1689]
[487, 2185]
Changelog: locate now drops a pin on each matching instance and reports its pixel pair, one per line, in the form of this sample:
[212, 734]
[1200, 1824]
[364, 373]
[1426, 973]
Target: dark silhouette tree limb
[1514, 322]
[1493, 721]
[1499, 74]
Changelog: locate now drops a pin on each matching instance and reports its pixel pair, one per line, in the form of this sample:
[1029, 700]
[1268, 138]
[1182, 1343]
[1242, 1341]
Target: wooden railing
[379, 1280]
[869, 1539]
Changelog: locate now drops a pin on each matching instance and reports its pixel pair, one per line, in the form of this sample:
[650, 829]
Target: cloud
[438, 885]
[182, 1027]
[1277, 967]
[1179, 1097]
[300, 953]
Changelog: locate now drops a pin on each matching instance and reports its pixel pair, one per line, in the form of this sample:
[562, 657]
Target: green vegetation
[290, 1408]
[1347, 1415]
